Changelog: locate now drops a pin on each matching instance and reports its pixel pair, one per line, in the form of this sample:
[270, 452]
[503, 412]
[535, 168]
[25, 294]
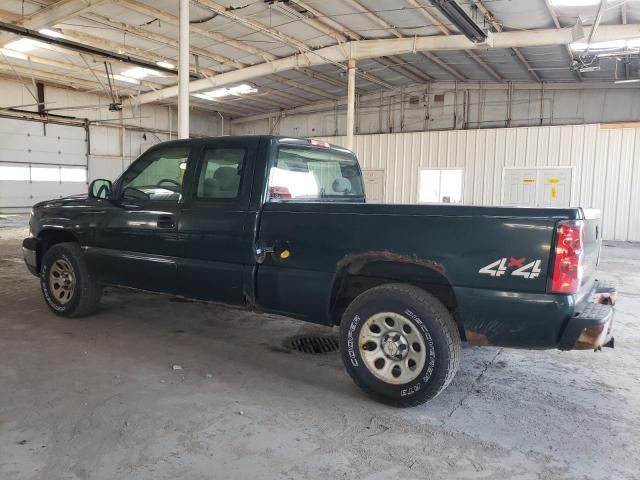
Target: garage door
[39, 162]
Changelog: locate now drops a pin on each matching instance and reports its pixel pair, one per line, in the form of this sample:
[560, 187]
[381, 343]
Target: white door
[537, 187]
[554, 189]
[520, 186]
[374, 185]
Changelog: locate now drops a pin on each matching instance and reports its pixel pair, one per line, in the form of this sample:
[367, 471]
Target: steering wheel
[169, 180]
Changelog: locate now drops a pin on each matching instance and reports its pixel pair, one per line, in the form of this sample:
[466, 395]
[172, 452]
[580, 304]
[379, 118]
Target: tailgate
[592, 244]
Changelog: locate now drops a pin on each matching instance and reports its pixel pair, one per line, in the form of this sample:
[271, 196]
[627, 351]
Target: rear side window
[221, 173]
[313, 174]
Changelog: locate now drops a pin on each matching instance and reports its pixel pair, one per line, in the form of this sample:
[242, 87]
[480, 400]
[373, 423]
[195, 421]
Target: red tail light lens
[568, 261]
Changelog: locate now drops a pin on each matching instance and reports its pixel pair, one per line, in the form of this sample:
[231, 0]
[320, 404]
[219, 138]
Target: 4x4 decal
[501, 266]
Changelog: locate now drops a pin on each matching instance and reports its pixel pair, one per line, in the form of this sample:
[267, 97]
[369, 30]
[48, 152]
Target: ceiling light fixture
[124, 78]
[12, 54]
[50, 33]
[165, 64]
[140, 72]
[631, 80]
[462, 21]
[574, 3]
[23, 45]
[242, 89]
[599, 46]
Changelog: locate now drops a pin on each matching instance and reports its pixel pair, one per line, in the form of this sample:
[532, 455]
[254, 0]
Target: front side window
[221, 173]
[314, 174]
[158, 175]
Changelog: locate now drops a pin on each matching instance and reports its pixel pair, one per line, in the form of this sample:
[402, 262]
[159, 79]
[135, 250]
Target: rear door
[216, 230]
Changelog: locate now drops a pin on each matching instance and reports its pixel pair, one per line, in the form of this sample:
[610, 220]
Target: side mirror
[100, 188]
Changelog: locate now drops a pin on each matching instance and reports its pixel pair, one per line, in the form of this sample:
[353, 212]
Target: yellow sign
[553, 180]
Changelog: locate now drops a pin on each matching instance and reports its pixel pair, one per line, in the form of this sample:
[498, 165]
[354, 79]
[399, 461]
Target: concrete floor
[97, 398]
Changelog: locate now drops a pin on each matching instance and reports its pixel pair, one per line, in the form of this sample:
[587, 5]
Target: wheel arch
[360, 272]
[49, 237]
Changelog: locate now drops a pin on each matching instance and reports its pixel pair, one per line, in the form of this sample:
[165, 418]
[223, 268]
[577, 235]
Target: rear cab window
[303, 173]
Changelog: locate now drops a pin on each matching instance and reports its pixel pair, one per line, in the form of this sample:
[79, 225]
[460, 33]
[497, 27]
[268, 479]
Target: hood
[80, 199]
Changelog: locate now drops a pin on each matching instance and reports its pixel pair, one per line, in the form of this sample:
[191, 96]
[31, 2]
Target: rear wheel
[66, 284]
[400, 344]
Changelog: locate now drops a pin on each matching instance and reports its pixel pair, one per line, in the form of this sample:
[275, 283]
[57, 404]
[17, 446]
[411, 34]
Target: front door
[135, 243]
[216, 229]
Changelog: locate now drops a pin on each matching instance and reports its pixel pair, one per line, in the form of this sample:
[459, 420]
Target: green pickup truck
[281, 225]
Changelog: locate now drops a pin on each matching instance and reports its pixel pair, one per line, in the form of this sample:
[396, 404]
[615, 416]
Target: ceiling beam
[358, 50]
[623, 19]
[271, 32]
[422, 10]
[498, 28]
[51, 77]
[164, 16]
[162, 39]
[80, 47]
[53, 14]
[556, 22]
[418, 89]
[394, 31]
[325, 24]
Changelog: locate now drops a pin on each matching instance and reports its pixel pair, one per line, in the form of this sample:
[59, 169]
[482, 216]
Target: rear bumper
[30, 254]
[591, 328]
[536, 320]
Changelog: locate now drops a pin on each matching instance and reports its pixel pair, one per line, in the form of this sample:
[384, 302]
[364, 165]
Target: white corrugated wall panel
[605, 174]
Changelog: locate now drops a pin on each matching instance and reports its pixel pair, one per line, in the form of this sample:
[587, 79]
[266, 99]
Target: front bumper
[591, 328]
[30, 254]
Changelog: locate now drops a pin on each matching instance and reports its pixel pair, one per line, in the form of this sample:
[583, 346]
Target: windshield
[314, 174]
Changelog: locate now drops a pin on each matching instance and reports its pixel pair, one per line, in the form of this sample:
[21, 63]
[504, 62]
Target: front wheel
[400, 344]
[66, 284]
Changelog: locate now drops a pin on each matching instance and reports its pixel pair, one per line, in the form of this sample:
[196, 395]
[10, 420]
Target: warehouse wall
[446, 106]
[86, 135]
[606, 173]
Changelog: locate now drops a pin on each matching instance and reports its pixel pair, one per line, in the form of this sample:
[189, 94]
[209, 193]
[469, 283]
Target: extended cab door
[216, 230]
[134, 241]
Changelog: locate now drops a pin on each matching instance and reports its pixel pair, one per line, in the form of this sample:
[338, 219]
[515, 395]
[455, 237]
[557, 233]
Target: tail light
[568, 258]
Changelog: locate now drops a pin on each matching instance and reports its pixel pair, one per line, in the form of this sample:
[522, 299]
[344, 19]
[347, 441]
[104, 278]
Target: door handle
[166, 221]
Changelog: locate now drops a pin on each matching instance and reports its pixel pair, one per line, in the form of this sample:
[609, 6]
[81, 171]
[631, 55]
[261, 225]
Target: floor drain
[313, 344]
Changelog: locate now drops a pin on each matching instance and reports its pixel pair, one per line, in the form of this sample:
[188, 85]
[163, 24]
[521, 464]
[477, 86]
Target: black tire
[431, 320]
[86, 293]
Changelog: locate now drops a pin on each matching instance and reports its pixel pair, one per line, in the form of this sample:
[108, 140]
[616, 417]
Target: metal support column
[351, 99]
[183, 72]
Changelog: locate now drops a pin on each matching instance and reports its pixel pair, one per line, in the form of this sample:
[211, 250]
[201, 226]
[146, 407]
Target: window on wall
[31, 173]
[440, 186]
[15, 173]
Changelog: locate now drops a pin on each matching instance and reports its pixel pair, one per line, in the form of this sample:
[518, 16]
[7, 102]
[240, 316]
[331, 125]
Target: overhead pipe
[81, 47]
